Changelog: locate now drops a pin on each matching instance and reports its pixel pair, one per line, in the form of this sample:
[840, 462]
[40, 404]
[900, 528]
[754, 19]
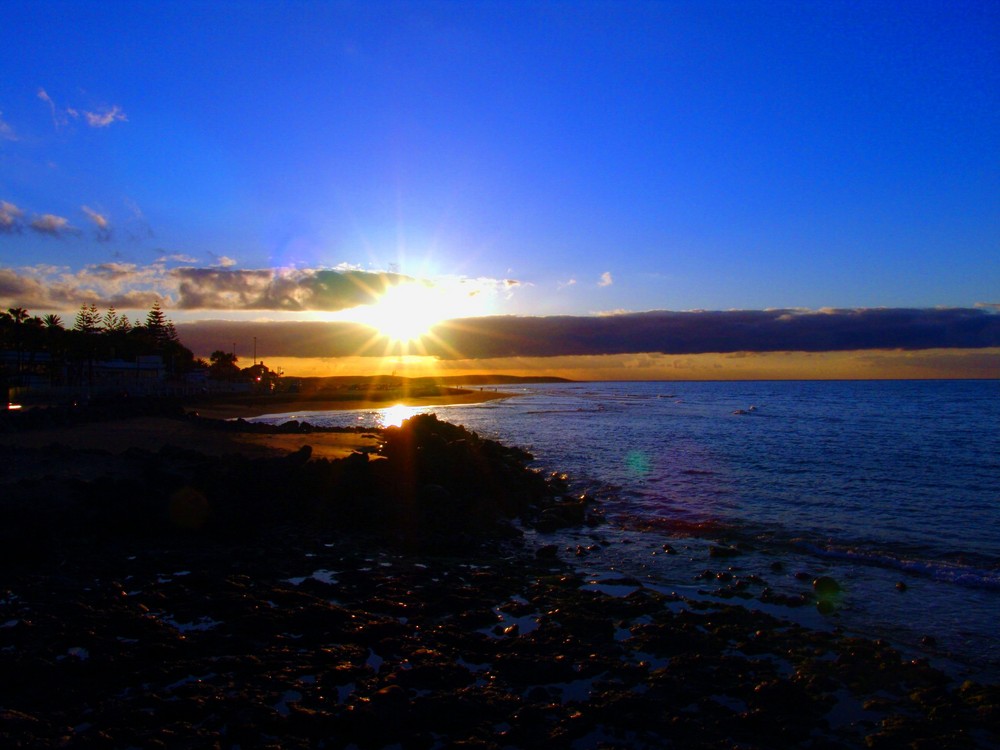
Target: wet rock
[825, 586]
[717, 551]
[547, 552]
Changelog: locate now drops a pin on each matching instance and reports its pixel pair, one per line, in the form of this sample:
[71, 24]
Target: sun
[407, 312]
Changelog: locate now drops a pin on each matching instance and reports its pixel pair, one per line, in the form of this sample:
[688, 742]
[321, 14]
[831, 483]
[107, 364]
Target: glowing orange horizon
[874, 364]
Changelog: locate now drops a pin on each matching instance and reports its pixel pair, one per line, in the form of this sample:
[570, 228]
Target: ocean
[891, 488]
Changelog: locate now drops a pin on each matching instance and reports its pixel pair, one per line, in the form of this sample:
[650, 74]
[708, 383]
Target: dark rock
[717, 550]
[825, 586]
[547, 552]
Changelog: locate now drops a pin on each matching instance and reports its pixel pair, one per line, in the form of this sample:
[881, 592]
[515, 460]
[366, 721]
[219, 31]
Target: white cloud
[105, 118]
[176, 258]
[225, 262]
[560, 285]
[10, 217]
[99, 220]
[51, 224]
[606, 279]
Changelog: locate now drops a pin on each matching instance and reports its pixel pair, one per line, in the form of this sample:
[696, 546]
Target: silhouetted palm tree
[19, 314]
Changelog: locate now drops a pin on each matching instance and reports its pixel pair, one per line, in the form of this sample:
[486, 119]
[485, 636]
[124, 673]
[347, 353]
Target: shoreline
[248, 407]
[193, 427]
[374, 603]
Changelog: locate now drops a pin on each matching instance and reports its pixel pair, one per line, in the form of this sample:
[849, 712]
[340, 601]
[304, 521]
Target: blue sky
[557, 158]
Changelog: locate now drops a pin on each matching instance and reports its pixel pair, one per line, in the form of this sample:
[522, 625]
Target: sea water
[890, 487]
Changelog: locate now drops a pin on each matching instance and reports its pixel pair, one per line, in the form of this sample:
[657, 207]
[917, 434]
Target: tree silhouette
[93, 337]
[88, 319]
[223, 365]
[18, 314]
[156, 322]
[115, 322]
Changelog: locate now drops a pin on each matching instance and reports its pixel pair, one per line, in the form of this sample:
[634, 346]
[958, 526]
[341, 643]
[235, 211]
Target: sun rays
[410, 319]
[407, 312]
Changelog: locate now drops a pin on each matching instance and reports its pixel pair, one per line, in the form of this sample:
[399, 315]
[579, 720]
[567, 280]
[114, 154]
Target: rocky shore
[174, 598]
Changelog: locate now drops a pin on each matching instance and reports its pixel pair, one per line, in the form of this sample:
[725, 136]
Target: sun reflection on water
[394, 416]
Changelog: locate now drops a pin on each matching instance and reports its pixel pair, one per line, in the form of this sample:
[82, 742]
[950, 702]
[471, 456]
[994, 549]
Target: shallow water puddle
[289, 696]
[190, 680]
[200, 624]
[322, 575]
[509, 625]
[611, 589]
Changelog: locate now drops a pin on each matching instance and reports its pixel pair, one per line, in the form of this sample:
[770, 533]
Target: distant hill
[393, 381]
[488, 380]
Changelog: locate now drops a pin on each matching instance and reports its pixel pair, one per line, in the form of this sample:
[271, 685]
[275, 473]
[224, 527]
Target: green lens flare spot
[637, 463]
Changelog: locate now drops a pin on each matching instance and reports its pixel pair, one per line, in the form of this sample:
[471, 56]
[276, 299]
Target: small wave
[939, 570]
[685, 527]
[563, 411]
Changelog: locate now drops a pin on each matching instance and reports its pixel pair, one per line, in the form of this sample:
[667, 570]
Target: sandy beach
[154, 432]
[246, 407]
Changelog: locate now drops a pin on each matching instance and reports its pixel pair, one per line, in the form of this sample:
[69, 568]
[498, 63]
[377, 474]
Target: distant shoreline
[247, 407]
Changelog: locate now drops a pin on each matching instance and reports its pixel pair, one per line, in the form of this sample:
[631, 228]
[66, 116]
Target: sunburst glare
[405, 315]
[406, 312]
[394, 416]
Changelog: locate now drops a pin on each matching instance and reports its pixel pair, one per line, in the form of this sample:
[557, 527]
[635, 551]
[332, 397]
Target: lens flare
[406, 312]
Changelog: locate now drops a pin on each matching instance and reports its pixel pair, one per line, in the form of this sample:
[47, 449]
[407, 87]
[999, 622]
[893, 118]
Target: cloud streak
[6, 131]
[12, 220]
[58, 118]
[102, 227]
[100, 118]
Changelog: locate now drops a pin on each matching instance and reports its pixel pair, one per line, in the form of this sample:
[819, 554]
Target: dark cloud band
[660, 332]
